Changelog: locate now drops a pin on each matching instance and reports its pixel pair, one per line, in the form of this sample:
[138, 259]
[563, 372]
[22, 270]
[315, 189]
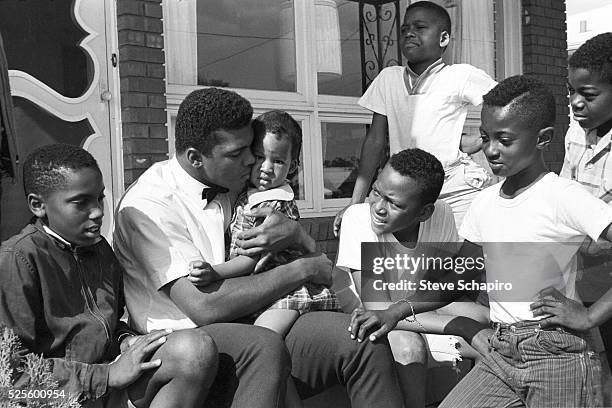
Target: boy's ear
[37, 205]
[194, 157]
[444, 39]
[293, 167]
[545, 136]
[426, 212]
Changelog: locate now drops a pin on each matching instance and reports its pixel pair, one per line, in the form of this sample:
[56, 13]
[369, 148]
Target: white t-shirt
[356, 228]
[161, 225]
[433, 118]
[531, 241]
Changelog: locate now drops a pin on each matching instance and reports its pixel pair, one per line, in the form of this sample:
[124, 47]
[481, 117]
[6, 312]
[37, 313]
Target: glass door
[61, 78]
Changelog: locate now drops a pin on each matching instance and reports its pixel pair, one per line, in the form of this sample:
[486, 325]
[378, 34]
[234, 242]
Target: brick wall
[321, 229]
[143, 87]
[545, 57]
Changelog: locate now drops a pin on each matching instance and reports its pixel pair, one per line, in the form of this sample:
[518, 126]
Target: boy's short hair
[423, 168]
[440, 12]
[205, 111]
[595, 55]
[527, 98]
[44, 170]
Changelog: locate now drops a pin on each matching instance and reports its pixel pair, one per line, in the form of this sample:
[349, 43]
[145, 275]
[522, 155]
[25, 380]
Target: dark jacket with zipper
[65, 304]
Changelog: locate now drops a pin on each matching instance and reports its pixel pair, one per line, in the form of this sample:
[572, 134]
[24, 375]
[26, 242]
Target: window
[306, 57]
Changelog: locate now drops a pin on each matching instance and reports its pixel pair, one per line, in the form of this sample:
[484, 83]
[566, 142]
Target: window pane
[341, 147]
[42, 38]
[297, 181]
[338, 52]
[246, 46]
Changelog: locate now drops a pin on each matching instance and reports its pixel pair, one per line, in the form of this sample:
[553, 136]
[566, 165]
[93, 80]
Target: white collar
[185, 181]
[415, 80]
[281, 193]
[57, 236]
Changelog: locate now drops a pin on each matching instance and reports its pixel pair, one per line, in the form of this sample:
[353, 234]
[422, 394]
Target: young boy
[588, 140]
[404, 215]
[587, 154]
[424, 105]
[529, 228]
[61, 290]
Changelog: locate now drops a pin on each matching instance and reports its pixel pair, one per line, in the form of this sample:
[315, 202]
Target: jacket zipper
[89, 300]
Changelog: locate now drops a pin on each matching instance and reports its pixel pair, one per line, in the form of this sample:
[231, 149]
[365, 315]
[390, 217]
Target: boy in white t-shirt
[405, 218]
[424, 105]
[534, 223]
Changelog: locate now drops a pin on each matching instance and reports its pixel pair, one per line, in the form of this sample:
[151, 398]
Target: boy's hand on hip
[480, 341]
[565, 312]
[275, 233]
[129, 366]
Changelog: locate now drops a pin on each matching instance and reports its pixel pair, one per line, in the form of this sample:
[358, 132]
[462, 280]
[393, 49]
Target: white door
[63, 78]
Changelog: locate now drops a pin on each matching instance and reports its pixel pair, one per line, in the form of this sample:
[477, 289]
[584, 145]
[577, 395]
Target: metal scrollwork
[379, 24]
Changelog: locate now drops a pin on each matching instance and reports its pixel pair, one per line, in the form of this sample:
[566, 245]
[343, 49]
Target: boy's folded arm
[601, 311]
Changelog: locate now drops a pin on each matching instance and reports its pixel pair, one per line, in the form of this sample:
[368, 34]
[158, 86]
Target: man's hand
[275, 233]
[381, 321]
[131, 363]
[202, 273]
[318, 268]
[565, 312]
[338, 221]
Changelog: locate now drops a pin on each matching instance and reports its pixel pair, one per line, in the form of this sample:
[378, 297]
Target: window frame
[311, 109]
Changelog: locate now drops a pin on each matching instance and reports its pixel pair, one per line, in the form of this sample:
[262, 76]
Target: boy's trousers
[532, 367]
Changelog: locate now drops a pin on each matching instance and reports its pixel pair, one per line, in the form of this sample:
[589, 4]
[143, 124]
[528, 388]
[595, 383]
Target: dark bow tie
[209, 193]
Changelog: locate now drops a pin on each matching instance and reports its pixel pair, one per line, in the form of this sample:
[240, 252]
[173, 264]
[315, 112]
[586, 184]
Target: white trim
[114, 82]
[307, 106]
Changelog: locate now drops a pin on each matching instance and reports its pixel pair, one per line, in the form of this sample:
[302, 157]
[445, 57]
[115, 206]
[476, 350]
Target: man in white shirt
[177, 212]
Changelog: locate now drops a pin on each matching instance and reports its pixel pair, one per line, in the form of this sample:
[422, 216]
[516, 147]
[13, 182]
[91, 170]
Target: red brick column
[545, 57]
[143, 86]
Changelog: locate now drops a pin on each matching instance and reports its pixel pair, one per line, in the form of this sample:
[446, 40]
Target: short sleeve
[374, 98]
[477, 84]
[470, 228]
[575, 138]
[351, 237]
[445, 223]
[583, 212]
[566, 170]
[154, 239]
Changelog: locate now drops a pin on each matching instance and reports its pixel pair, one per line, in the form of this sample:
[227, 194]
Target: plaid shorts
[534, 367]
[309, 298]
